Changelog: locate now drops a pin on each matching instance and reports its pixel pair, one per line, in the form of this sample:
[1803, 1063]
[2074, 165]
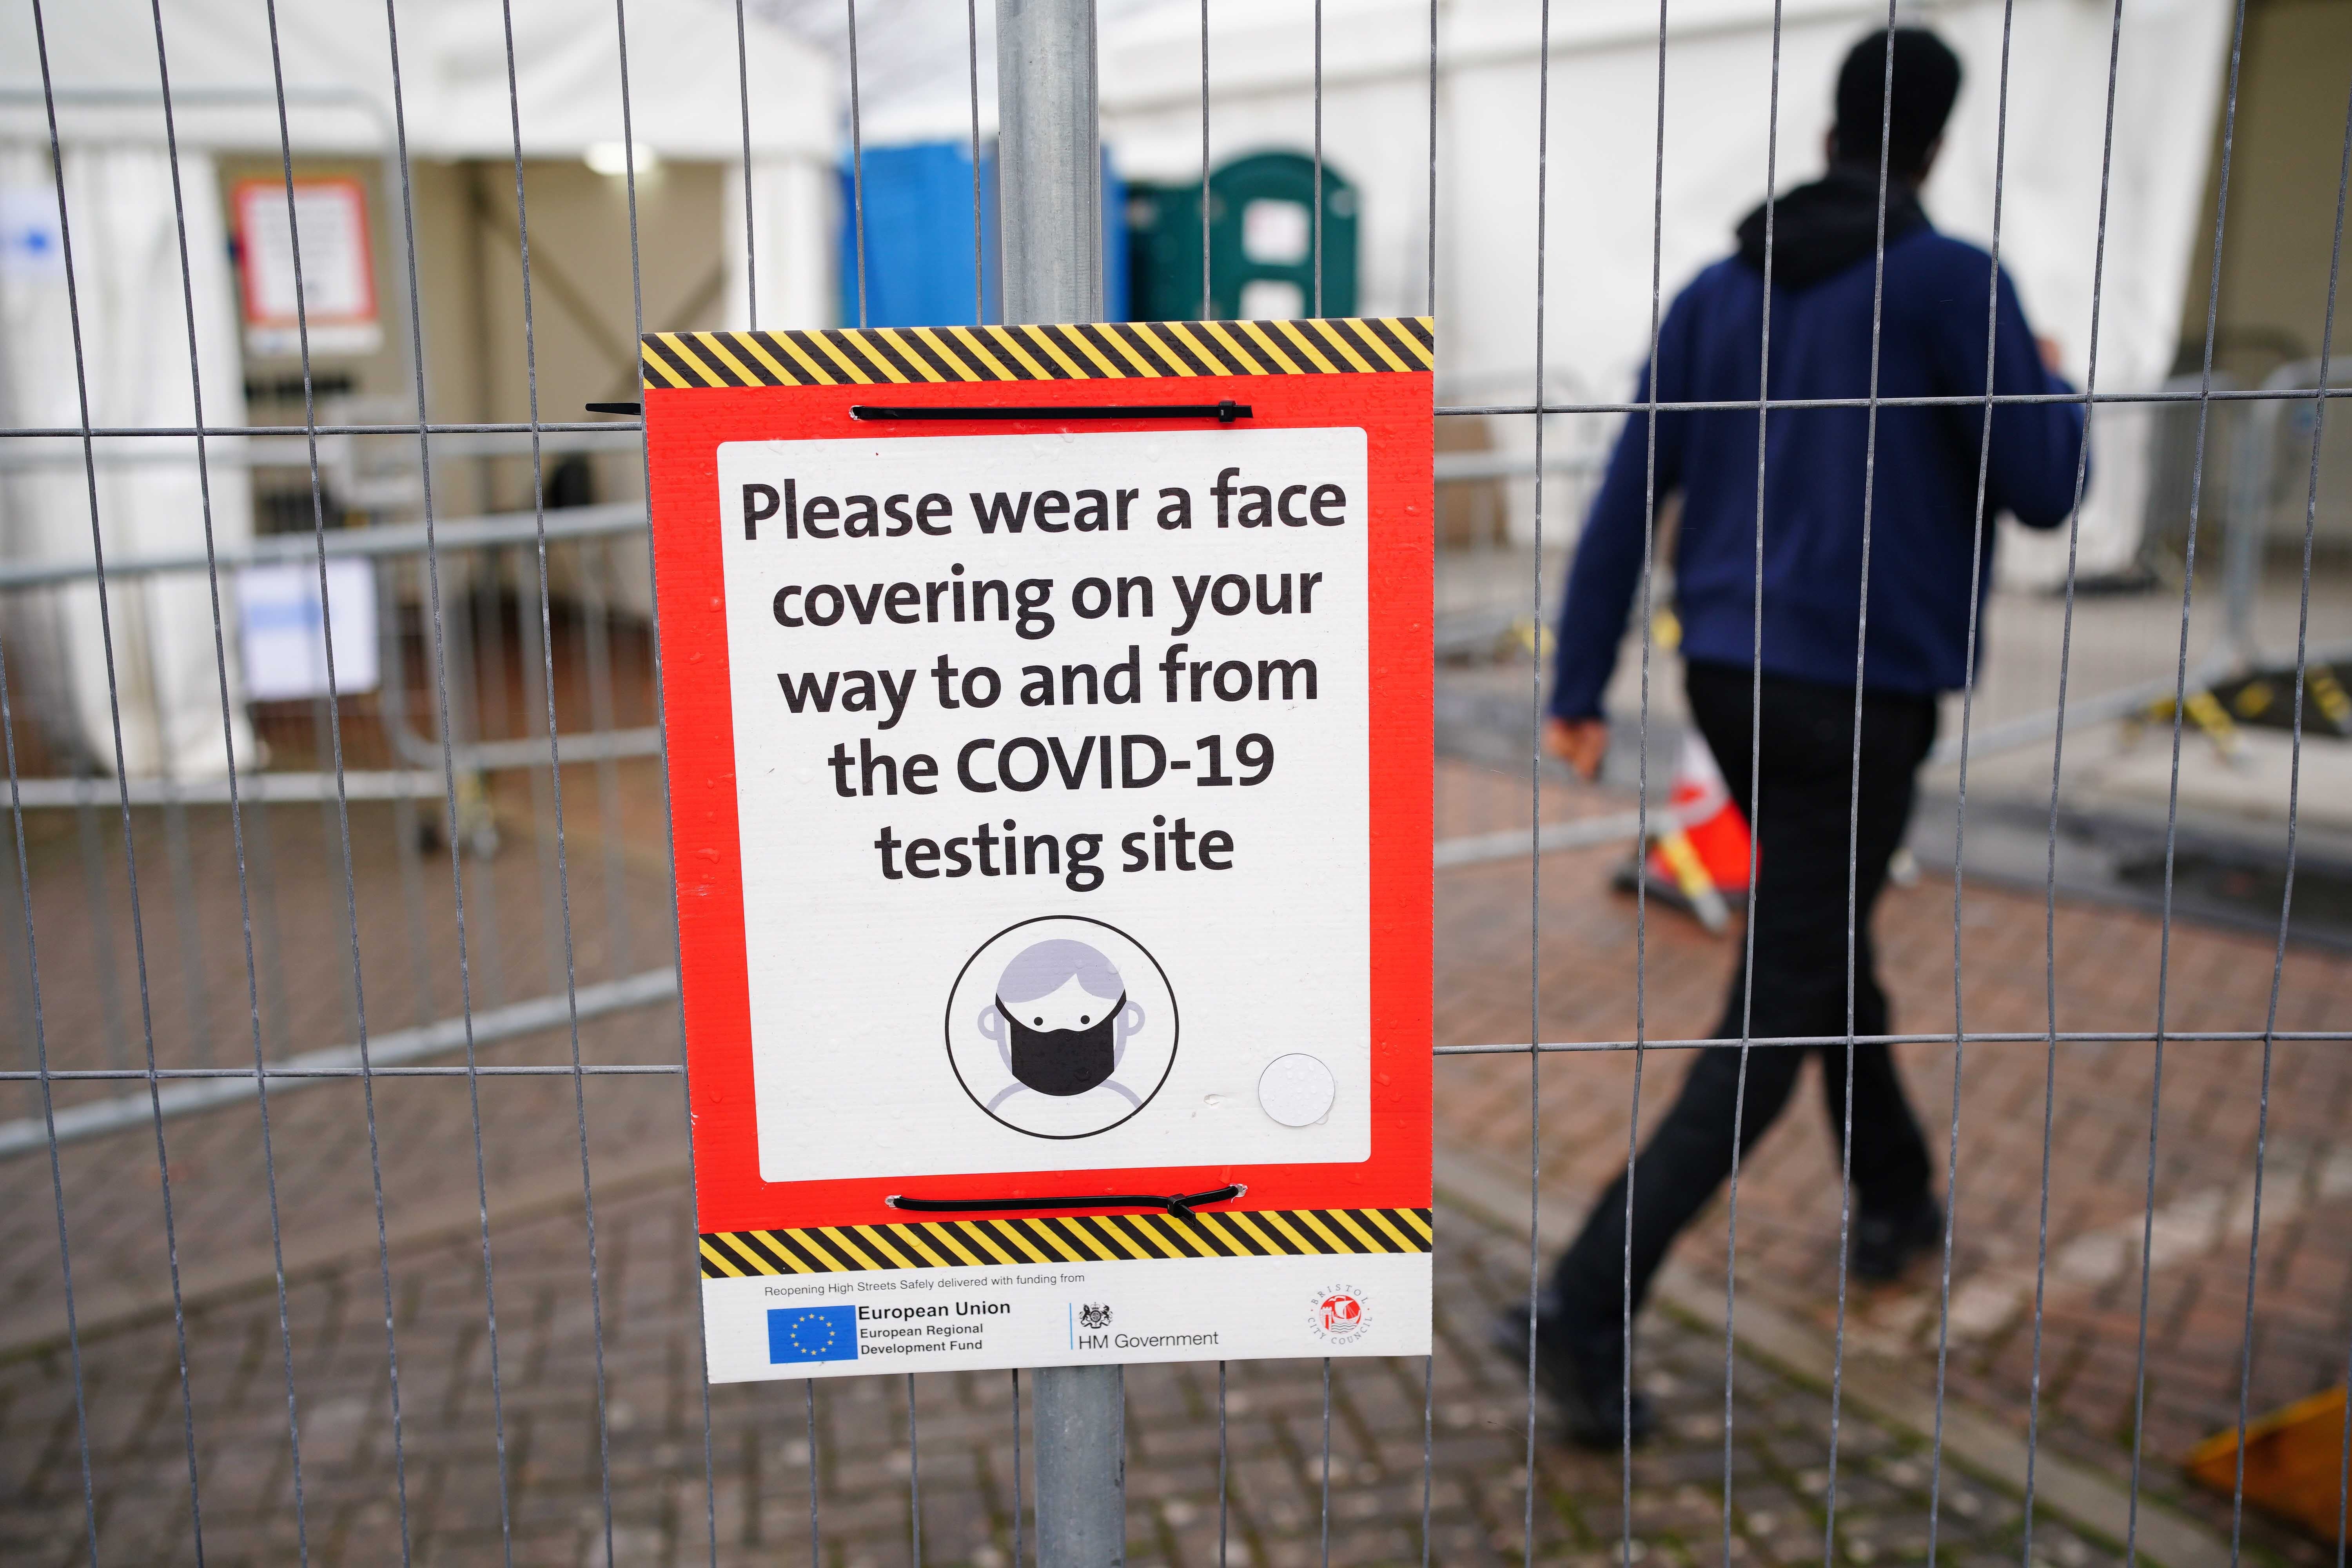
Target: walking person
[1841, 328]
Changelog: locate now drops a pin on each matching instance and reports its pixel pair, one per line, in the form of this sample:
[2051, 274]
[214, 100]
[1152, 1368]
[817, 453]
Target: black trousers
[1799, 986]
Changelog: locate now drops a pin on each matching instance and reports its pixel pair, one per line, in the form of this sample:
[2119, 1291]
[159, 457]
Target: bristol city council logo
[1340, 1315]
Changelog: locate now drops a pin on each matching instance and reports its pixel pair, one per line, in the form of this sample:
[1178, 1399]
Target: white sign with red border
[1050, 765]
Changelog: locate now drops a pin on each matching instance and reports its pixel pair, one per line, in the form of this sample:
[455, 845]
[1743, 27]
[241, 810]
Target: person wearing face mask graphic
[1060, 1021]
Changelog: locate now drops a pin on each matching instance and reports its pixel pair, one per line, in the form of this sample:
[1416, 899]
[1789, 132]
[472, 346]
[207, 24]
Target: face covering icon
[1062, 1062]
[1061, 1021]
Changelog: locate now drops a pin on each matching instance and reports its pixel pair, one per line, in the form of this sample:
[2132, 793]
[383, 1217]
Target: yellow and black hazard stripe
[1065, 1238]
[1105, 350]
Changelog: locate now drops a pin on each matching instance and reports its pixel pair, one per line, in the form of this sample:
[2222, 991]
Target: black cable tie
[1181, 1205]
[1223, 413]
[634, 410]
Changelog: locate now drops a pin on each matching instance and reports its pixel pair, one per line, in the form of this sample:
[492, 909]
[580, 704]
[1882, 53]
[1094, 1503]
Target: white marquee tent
[1375, 116]
[337, 66]
[1604, 158]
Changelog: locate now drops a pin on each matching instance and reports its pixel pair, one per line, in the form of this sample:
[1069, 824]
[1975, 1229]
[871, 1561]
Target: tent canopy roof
[915, 77]
[337, 57]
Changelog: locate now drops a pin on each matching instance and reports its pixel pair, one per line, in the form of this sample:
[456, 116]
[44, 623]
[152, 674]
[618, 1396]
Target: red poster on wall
[335, 302]
[1050, 757]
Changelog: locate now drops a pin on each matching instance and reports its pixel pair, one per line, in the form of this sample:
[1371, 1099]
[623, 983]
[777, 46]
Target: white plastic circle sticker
[1296, 1090]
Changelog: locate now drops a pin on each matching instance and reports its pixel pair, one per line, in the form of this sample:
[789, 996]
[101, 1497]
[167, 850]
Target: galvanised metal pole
[1081, 1416]
[2243, 518]
[1049, 161]
[1049, 171]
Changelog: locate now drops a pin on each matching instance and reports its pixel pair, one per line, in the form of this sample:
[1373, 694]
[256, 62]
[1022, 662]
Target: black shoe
[1586, 1381]
[1884, 1243]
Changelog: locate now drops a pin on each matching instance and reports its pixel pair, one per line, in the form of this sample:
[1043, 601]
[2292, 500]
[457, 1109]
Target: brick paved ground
[321, 1137]
[2099, 1104]
[191, 924]
[462, 1494]
[1586, 956]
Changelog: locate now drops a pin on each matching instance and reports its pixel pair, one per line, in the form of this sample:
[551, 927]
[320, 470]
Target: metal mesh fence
[443, 902]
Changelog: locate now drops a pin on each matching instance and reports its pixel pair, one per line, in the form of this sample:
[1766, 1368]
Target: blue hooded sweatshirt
[1923, 522]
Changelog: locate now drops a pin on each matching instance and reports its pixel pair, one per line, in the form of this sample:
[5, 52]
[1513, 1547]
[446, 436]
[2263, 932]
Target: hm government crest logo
[1341, 1314]
[1094, 1315]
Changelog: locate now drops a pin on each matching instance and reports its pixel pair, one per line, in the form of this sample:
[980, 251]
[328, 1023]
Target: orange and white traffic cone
[1672, 854]
[1699, 855]
[1703, 806]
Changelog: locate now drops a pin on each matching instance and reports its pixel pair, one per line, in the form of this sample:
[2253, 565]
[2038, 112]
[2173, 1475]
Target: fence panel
[445, 1309]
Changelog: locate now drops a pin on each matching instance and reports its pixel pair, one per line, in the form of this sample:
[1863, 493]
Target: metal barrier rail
[448, 540]
[374, 543]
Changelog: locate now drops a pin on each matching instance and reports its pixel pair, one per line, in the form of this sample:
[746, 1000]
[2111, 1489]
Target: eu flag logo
[812, 1333]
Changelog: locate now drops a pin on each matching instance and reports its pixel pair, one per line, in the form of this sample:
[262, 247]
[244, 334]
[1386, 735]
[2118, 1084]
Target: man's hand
[1581, 743]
